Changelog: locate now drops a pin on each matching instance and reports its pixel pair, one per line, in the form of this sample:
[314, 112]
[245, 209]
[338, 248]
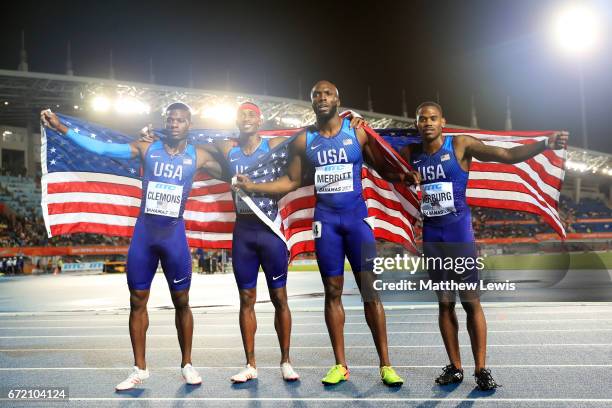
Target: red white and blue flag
[85, 192]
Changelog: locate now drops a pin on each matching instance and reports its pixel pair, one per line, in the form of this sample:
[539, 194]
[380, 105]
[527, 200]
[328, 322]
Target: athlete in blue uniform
[341, 225]
[442, 164]
[255, 245]
[159, 233]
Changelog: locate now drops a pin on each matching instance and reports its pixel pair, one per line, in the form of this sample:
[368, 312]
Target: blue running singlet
[159, 233]
[254, 244]
[447, 221]
[341, 225]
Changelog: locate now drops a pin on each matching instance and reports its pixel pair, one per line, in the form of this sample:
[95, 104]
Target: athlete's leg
[248, 323]
[282, 320]
[334, 315]
[449, 326]
[176, 263]
[476, 326]
[183, 319]
[360, 247]
[246, 268]
[330, 258]
[272, 252]
[139, 323]
[140, 269]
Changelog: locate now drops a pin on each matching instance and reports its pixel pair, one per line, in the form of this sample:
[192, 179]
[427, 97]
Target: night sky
[491, 49]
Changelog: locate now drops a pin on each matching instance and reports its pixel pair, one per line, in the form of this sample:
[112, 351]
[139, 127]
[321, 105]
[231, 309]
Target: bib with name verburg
[334, 178]
[437, 199]
[164, 199]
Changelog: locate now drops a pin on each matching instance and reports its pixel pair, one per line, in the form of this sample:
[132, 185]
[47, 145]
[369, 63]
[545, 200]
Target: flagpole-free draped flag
[533, 186]
[85, 192]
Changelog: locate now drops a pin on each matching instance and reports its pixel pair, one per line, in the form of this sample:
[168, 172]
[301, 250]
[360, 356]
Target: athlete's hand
[359, 122]
[147, 135]
[412, 177]
[558, 140]
[242, 182]
[49, 119]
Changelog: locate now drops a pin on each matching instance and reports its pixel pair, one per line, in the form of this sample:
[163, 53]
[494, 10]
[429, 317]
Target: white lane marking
[299, 315]
[357, 399]
[307, 334]
[235, 325]
[538, 345]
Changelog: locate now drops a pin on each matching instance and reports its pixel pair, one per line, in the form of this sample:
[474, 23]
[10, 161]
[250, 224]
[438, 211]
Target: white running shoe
[288, 372]
[190, 375]
[246, 374]
[136, 377]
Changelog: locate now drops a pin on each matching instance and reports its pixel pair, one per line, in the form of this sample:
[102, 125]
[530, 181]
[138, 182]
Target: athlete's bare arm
[287, 183]
[206, 161]
[467, 147]
[379, 164]
[50, 119]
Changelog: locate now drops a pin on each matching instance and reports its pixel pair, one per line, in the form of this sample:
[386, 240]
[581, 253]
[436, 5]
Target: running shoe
[190, 375]
[136, 377]
[288, 372]
[450, 375]
[390, 377]
[485, 381]
[246, 374]
[336, 374]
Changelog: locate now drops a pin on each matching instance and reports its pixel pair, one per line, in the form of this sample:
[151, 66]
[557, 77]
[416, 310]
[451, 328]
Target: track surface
[74, 334]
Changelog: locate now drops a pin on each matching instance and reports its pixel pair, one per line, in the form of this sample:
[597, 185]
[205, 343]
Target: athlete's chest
[172, 168]
[241, 163]
[338, 150]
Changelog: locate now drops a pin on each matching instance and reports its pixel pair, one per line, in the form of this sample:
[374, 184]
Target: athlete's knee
[471, 306]
[180, 299]
[446, 307]
[248, 297]
[138, 300]
[278, 297]
[333, 292]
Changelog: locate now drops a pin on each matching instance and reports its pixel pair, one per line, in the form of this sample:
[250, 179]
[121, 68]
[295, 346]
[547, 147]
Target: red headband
[250, 106]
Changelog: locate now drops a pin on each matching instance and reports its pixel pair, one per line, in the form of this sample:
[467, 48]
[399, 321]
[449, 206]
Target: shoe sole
[242, 382]
[393, 384]
[450, 382]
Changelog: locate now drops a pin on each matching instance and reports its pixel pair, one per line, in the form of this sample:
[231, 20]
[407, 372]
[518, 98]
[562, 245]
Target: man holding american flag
[341, 224]
[442, 164]
[159, 234]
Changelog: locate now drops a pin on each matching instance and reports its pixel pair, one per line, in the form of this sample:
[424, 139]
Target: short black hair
[429, 103]
[179, 106]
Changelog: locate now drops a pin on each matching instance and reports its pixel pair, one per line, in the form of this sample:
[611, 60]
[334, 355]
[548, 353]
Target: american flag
[532, 186]
[85, 192]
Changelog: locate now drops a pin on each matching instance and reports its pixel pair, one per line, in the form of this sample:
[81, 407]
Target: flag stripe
[79, 199]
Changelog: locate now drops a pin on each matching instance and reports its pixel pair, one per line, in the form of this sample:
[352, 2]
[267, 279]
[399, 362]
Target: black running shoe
[485, 381]
[450, 375]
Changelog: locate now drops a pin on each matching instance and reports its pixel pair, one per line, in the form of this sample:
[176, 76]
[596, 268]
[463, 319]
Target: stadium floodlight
[221, 113]
[100, 103]
[131, 105]
[577, 29]
[289, 121]
[576, 166]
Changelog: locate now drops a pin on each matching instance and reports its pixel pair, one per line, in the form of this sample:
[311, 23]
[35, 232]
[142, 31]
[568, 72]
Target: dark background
[491, 49]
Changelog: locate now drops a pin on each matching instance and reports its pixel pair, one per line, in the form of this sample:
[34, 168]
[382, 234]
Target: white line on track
[352, 367]
[302, 315]
[235, 325]
[306, 334]
[341, 399]
[538, 345]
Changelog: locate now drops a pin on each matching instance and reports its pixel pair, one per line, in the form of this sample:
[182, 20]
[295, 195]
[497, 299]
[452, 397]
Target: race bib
[164, 199]
[334, 178]
[437, 199]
